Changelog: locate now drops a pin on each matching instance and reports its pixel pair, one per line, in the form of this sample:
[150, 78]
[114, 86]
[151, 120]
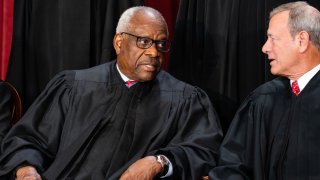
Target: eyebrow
[272, 35]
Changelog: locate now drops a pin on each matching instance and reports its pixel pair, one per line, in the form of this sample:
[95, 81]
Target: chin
[148, 76]
[145, 79]
[148, 79]
[274, 71]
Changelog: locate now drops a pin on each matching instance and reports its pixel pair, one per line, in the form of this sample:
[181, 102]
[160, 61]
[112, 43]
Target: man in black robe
[88, 124]
[5, 110]
[275, 133]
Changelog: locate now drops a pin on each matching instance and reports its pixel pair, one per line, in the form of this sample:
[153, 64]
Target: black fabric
[220, 43]
[217, 46]
[274, 135]
[54, 35]
[87, 124]
[5, 110]
[225, 107]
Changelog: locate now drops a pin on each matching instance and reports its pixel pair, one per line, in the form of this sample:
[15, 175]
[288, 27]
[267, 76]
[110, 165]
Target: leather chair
[16, 109]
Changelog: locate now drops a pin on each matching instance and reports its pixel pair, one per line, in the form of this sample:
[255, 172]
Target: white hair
[124, 24]
[302, 17]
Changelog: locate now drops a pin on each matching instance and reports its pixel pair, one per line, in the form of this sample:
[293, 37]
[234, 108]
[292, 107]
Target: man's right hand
[27, 173]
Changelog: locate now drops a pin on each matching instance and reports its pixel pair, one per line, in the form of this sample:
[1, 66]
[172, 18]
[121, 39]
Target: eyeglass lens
[145, 43]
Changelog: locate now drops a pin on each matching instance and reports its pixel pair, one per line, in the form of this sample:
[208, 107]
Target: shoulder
[269, 93]
[273, 87]
[167, 82]
[97, 73]
[68, 78]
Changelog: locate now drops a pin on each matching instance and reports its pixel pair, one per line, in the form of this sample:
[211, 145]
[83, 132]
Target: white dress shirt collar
[123, 77]
[304, 80]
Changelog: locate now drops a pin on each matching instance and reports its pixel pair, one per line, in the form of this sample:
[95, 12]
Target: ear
[304, 40]
[117, 40]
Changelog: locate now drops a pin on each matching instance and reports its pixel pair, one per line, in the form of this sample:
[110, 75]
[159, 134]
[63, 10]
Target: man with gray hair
[126, 119]
[275, 133]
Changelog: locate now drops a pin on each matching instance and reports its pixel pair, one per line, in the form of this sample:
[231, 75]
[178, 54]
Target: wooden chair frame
[16, 108]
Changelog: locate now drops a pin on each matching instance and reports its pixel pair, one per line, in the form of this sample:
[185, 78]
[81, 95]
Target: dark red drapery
[6, 21]
[169, 10]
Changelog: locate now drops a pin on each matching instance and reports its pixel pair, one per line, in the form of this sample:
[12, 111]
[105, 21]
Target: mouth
[271, 60]
[150, 65]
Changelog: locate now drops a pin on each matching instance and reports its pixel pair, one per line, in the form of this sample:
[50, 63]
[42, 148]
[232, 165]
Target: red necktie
[295, 88]
[129, 83]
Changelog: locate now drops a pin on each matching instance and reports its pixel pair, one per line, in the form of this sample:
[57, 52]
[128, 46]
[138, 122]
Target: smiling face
[282, 49]
[136, 63]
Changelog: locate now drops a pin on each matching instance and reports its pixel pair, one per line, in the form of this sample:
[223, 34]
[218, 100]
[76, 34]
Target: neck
[308, 61]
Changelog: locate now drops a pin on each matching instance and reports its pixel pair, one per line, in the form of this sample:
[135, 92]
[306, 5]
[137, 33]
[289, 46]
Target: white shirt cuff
[170, 170]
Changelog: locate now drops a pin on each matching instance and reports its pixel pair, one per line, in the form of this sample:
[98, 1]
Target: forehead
[147, 23]
[278, 22]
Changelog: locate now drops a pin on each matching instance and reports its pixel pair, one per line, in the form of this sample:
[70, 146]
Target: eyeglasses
[145, 43]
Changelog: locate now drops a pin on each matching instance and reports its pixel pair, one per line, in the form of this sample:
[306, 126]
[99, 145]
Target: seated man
[90, 124]
[5, 110]
[275, 132]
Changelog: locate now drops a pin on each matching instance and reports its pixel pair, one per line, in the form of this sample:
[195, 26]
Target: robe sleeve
[5, 112]
[243, 143]
[194, 146]
[34, 140]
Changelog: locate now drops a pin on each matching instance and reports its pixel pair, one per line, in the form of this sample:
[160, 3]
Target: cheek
[135, 58]
[132, 56]
[286, 51]
[280, 50]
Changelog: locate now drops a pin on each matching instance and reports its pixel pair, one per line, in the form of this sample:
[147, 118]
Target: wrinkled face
[281, 47]
[136, 63]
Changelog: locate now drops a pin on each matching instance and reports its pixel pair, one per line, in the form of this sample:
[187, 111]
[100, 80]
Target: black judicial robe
[5, 110]
[87, 124]
[274, 135]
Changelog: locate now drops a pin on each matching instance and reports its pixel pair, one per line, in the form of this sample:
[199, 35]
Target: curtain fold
[6, 21]
[202, 54]
[55, 35]
[216, 45]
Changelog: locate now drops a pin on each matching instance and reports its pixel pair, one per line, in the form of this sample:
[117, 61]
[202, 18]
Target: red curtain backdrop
[6, 20]
[169, 10]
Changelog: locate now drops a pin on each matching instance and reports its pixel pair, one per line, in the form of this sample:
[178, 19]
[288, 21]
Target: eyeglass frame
[156, 42]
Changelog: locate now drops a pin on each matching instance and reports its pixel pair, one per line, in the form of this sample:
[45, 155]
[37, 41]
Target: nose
[152, 51]
[266, 47]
